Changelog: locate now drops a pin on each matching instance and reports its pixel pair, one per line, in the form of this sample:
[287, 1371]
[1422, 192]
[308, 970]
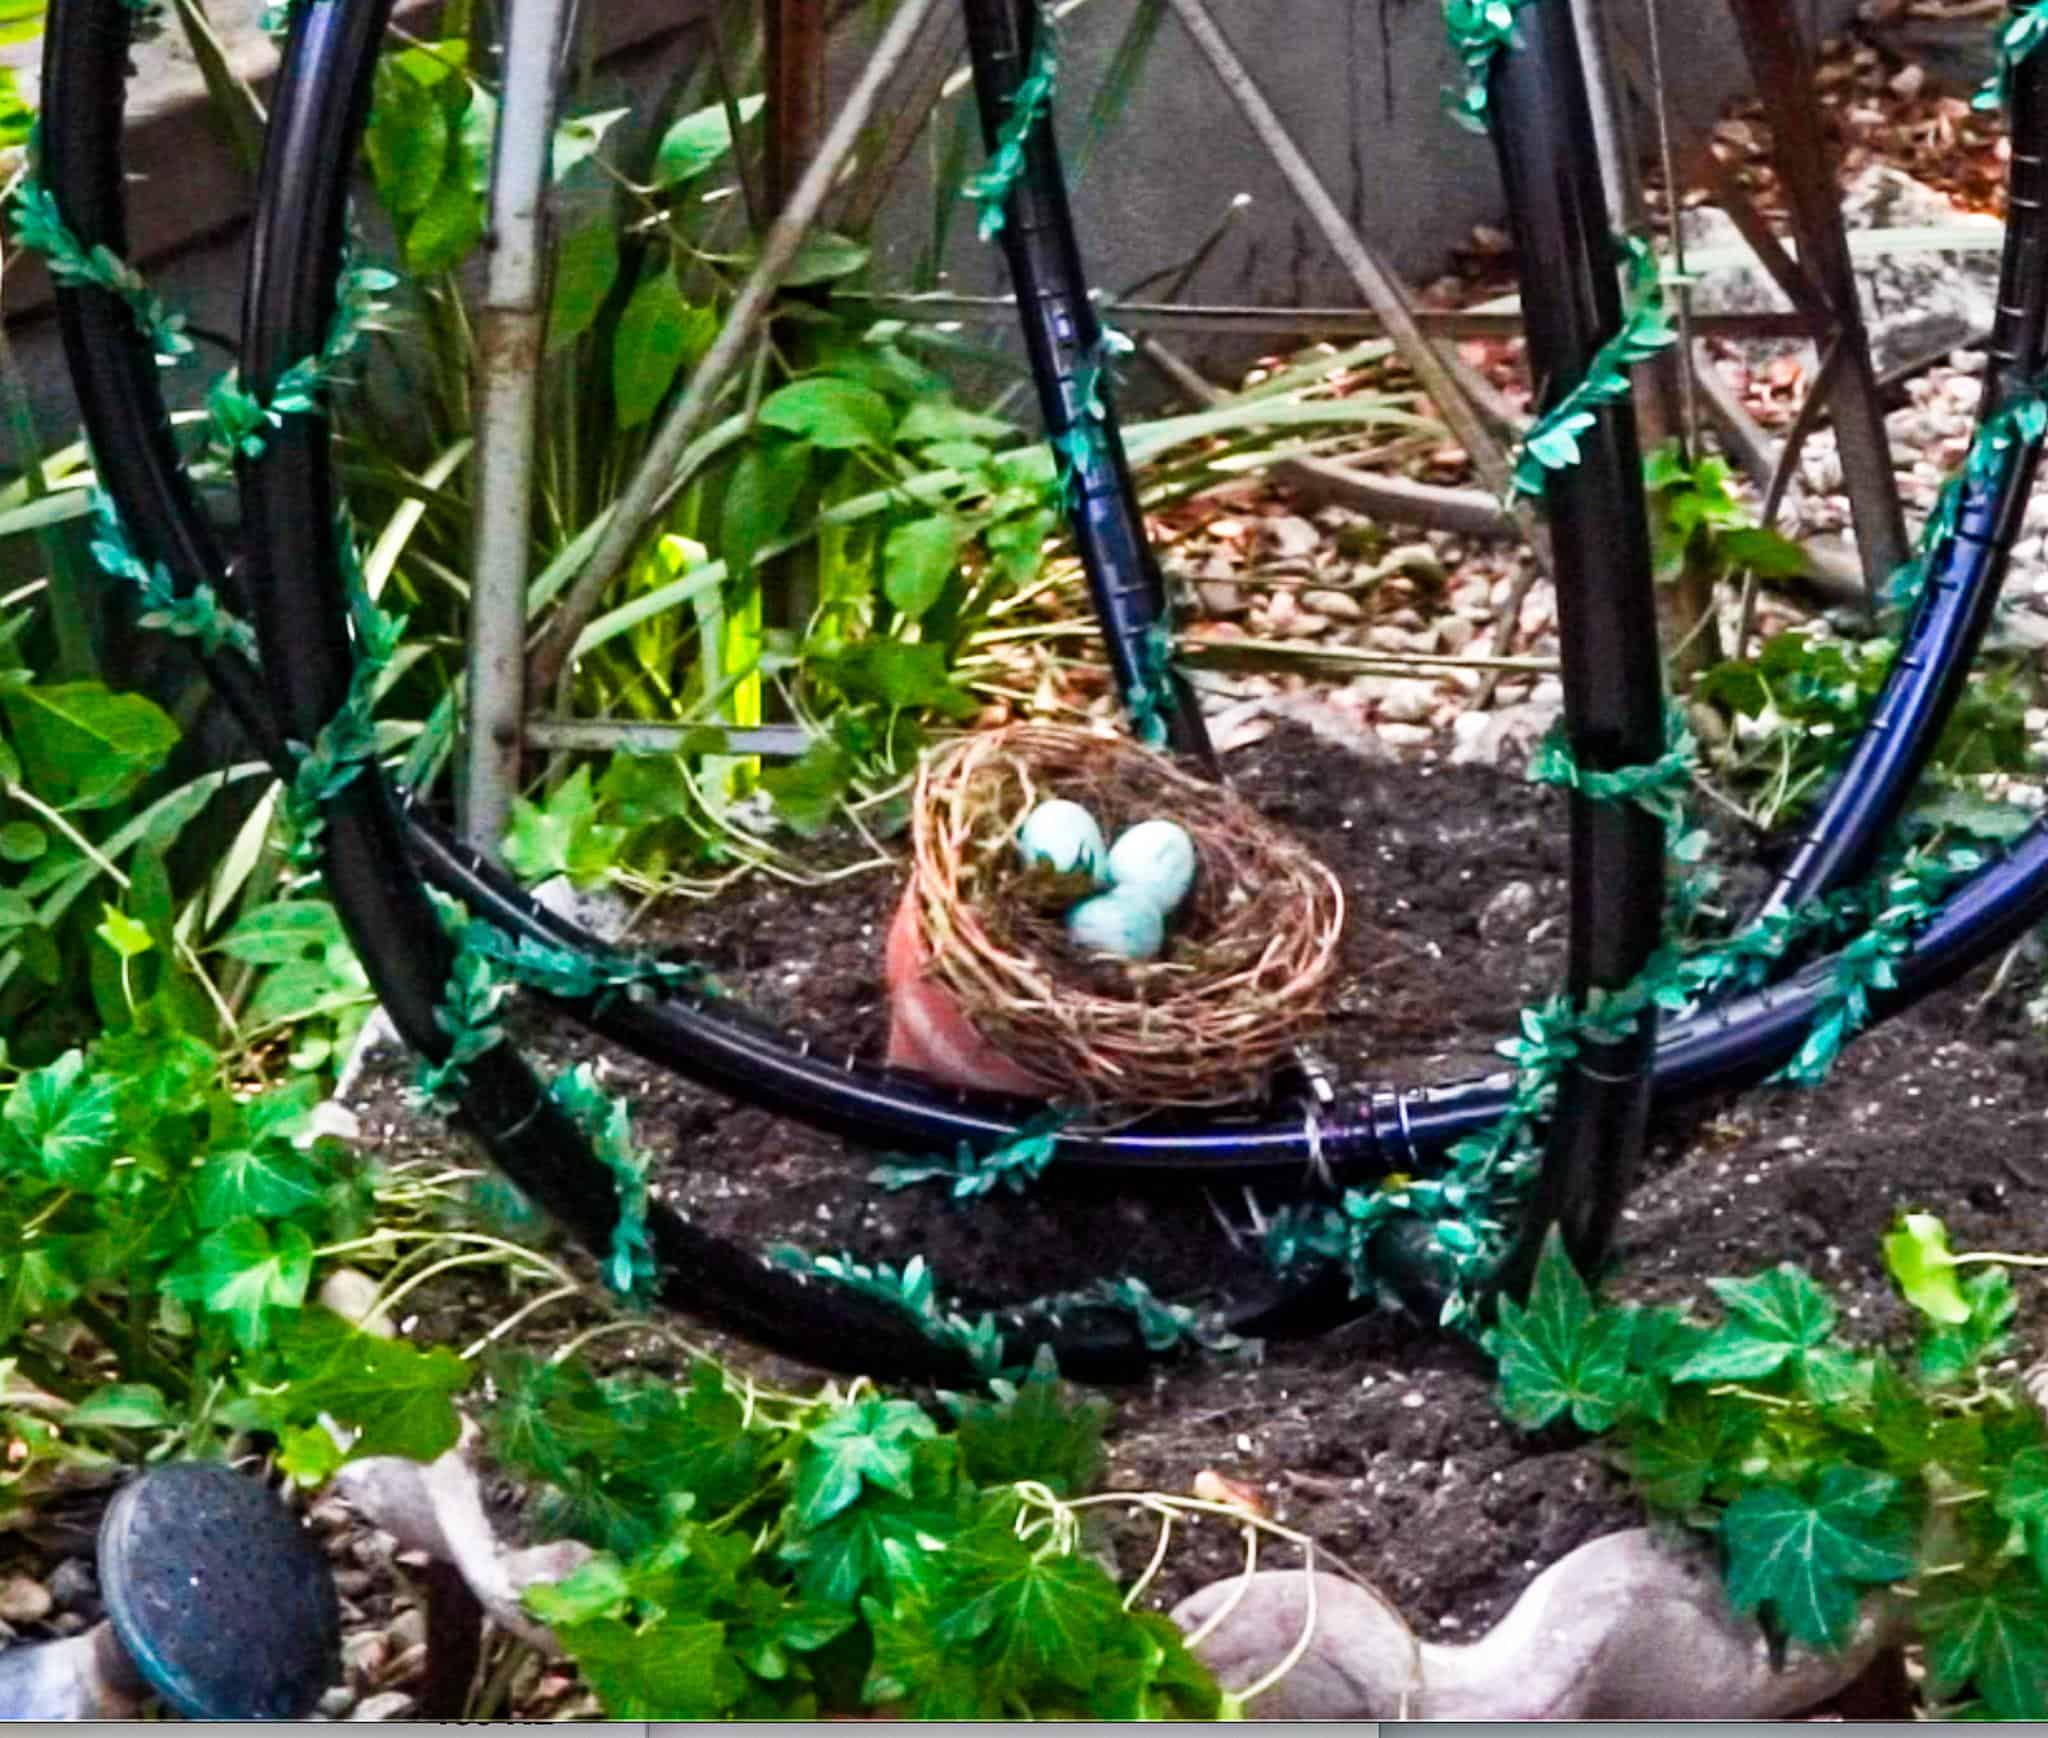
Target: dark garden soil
[1380, 1439]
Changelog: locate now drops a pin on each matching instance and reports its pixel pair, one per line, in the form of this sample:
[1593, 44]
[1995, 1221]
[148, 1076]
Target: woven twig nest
[1247, 969]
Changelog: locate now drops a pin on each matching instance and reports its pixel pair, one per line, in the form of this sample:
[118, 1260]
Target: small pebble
[23, 1599]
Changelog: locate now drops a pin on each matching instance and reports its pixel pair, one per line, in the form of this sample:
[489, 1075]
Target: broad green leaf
[1948, 1354]
[1560, 1353]
[1916, 1253]
[1772, 1318]
[915, 1674]
[938, 420]
[400, 1398]
[1033, 1432]
[1035, 1619]
[1674, 1461]
[66, 1119]
[447, 228]
[308, 1455]
[407, 142]
[578, 138]
[1808, 1558]
[83, 746]
[856, 1446]
[121, 1406]
[665, 1670]
[585, 271]
[1992, 1635]
[831, 413]
[271, 1181]
[823, 257]
[759, 497]
[286, 929]
[657, 333]
[22, 842]
[597, 1588]
[564, 837]
[240, 1272]
[807, 791]
[698, 141]
[917, 560]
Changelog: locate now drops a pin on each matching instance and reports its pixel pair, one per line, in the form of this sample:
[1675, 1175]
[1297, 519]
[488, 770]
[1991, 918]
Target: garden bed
[1381, 1440]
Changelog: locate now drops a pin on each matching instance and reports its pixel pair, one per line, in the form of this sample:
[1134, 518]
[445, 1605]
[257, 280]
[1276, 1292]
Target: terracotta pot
[929, 1032]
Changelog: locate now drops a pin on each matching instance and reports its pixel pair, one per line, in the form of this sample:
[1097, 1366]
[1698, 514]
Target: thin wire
[1688, 398]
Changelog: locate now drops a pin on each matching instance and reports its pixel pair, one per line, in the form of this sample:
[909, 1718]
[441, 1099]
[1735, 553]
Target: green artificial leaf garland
[2016, 39]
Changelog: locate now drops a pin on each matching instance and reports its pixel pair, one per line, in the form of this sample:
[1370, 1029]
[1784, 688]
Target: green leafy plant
[1823, 1470]
[764, 1558]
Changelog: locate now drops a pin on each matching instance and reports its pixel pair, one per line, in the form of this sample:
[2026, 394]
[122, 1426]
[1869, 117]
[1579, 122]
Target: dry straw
[1250, 958]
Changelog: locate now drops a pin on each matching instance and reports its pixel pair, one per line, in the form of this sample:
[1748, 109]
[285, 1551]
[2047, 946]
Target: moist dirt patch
[1381, 1439]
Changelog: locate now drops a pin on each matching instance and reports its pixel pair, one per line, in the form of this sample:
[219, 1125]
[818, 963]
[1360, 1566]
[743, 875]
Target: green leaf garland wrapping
[1030, 103]
[40, 227]
[1552, 444]
[2017, 38]
[1479, 30]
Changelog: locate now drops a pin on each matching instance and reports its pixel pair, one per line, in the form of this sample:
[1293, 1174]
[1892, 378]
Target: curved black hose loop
[1948, 623]
[124, 414]
[302, 621]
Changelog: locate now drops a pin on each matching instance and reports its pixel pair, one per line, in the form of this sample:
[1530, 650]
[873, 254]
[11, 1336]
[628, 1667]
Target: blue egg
[1062, 836]
[1156, 859]
[1129, 926]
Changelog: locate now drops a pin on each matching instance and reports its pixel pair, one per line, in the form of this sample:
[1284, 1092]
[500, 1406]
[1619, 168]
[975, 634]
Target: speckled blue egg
[1155, 859]
[1127, 925]
[1062, 836]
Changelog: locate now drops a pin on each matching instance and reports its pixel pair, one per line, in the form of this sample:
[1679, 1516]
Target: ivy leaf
[665, 1670]
[866, 1443]
[916, 1675]
[66, 1119]
[129, 939]
[835, 414]
[562, 837]
[121, 1406]
[2021, 1497]
[1035, 1619]
[938, 420]
[594, 1589]
[268, 1181]
[240, 1273]
[308, 1455]
[824, 255]
[1032, 1432]
[1808, 1558]
[1675, 1461]
[399, 1398]
[1991, 1634]
[1560, 1353]
[917, 560]
[1772, 1318]
[1950, 1353]
[1916, 1254]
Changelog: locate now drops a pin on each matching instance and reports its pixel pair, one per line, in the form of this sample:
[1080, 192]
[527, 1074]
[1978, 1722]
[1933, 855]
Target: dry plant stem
[1375, 282]
[1804, 422]
[1776, 49]
[511, 336]
[1324, 482]
[1308, 323]
[634, 512]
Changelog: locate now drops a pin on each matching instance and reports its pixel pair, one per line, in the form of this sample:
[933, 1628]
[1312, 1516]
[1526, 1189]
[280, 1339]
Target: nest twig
[1250, 957]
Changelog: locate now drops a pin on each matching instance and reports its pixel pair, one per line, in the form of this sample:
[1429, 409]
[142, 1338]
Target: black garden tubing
[296, 593]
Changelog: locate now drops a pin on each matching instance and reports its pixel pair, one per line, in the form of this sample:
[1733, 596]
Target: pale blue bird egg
[1127, 925]
[1156, 859]
[1062, 836]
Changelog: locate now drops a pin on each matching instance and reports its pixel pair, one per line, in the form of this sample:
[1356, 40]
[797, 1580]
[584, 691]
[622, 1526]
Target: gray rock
[1915, 302]
[1339, 606]
[1507, 915]
[385, 1705]
[1629, 1627]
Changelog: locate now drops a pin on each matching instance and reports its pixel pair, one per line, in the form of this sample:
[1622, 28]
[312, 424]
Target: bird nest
[1248, 966]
